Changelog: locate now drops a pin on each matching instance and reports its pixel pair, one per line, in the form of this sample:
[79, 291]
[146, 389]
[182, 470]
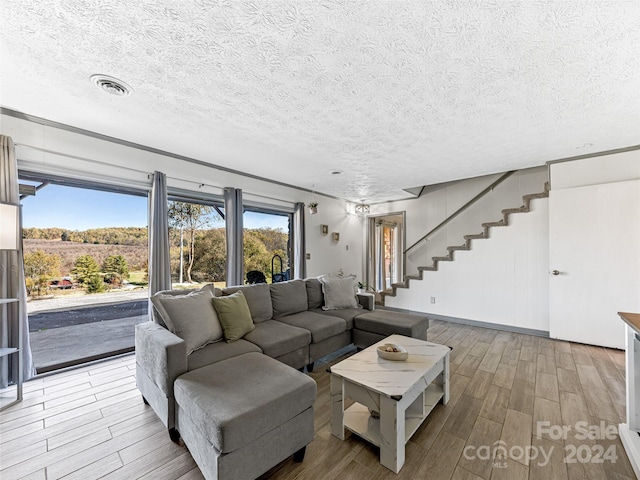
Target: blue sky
[81, 209]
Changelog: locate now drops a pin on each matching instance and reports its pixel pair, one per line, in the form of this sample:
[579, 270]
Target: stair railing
[464, 207]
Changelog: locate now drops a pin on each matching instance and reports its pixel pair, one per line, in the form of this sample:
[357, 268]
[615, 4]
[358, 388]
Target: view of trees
[189, 218]
[95, 265]
[115, 269]
[40, 268]
[260, 245]
[97, 236]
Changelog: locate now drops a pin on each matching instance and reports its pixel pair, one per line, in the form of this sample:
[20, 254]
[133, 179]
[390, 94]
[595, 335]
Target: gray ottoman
[371, 327]
[244, 415]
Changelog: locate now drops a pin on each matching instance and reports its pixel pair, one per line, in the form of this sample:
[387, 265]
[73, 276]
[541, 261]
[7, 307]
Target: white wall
[502, 280]
[46, 149]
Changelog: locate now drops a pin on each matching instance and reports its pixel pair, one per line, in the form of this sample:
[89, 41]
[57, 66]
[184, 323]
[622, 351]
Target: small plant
[313, 205]
[364, 286]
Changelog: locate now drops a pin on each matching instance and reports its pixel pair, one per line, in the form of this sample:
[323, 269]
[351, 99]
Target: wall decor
[325, 229]
[335, 236]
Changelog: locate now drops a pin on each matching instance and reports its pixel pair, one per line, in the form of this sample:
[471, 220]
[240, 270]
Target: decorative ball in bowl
[390, 351]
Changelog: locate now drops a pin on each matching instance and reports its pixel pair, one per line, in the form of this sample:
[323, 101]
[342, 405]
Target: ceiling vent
[111, 85]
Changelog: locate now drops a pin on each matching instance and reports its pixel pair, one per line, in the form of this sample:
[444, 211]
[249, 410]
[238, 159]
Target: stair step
[432, 268]
[500, 223]
[399, 285]
[442, 259]
[459, 247]
[475, 236]
[413, 277]
[508, 211]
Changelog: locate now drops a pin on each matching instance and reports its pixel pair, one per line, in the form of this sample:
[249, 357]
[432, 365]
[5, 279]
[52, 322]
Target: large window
[266, 246]
[197, 242]
[197, 238]
[86, 267]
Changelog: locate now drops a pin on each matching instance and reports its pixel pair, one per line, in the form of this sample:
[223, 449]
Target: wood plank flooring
[510, 394]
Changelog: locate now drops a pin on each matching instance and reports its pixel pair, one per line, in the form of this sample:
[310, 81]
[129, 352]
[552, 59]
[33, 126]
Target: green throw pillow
[234, 316]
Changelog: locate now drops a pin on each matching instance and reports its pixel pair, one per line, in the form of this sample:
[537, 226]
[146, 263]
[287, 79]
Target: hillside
[136, 255]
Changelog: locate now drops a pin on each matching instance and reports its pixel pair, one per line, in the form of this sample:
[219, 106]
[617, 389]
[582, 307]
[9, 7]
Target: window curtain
[234, 235]
[381, 281]
[299, 250]
[13, 316]
[371, 275]
[159, 260]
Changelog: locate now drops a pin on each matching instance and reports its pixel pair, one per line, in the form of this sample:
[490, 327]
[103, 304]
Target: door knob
[555, 272]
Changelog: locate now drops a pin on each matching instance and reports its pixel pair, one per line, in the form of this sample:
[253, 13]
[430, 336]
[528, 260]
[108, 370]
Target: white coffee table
[403, 393]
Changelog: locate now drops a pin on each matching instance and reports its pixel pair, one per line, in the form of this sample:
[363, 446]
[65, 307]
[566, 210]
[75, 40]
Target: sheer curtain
[12, 285]
[234, 234]
[298, 244]
[159, 260]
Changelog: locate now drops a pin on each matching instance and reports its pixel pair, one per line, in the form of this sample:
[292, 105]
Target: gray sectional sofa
[295, 322]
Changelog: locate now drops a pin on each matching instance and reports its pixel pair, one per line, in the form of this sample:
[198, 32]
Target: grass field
[138, 278]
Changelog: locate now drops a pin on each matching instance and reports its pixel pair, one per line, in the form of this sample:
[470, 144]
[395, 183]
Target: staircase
[506, 213]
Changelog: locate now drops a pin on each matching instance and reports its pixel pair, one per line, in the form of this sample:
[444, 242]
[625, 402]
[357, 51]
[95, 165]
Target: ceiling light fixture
[111, 85]
[362, 208]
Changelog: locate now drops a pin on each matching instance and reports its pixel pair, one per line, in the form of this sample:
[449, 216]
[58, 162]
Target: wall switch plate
[433, 299]
[308, 256]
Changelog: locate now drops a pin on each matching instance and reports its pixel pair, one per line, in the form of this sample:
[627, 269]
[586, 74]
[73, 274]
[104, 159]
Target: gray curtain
[234, 232]
[298, 243]
[159, 260]
[14, 322]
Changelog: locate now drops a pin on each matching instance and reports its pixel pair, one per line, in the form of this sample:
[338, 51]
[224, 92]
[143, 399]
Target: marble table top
[387, 377]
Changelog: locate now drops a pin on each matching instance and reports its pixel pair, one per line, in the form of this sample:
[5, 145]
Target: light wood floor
[91, 423]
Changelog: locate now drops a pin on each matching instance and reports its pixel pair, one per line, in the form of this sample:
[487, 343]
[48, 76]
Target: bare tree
[189, 217]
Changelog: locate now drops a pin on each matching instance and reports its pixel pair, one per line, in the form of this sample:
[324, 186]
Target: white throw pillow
[190, 316]
[339, 292]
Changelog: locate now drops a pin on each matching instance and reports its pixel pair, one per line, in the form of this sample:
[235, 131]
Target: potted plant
[363, 287]
[313, 208]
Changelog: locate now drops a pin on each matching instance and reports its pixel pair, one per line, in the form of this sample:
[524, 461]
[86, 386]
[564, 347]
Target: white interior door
[594, 235]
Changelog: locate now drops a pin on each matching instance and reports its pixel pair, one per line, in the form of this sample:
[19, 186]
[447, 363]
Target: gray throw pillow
[190, 316]
[339, 292]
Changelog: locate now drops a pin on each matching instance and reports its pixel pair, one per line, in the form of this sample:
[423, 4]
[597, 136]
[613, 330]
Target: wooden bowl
[400, 354]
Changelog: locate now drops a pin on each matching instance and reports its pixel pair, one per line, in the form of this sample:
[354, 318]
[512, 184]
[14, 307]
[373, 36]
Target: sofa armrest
[160, 354]
[367, 300]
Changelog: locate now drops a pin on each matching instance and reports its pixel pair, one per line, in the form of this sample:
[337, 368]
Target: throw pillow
[234, 314]
[339, 292]
[190, 316]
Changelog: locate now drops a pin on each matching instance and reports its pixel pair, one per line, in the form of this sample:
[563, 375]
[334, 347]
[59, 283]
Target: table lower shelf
[358, 419]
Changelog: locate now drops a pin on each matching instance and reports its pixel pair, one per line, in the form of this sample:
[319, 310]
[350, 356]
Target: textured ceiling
[396, 94]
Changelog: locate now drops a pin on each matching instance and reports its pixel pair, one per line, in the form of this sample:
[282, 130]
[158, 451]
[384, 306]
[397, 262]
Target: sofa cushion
[234, 315]
[158, 310]
[190, 316]
[288, 297]
[258, 298]
[276, 338]
[320, 326]
[242, 398]
[219, 351]
[385, 323]
[339, 292]
[347, 314]
[315, 298]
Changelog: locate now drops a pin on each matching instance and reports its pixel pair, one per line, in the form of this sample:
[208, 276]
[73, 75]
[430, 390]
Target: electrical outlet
[433, 299]
[308, 256]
